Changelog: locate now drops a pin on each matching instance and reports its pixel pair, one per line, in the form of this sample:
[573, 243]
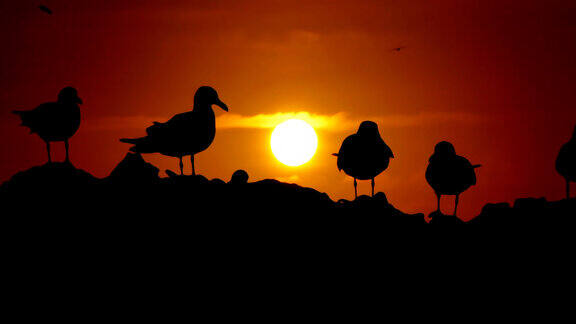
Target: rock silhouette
[184, 134]
[134, 188]
[47, 180]
[528, 212]
[566, 162]
[448, 173]
[134, 195]
[437, 218]
[239, 177]
[364, 155]
[54, 121]
[133, 169]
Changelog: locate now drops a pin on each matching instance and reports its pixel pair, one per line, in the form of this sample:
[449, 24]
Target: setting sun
[294, 142]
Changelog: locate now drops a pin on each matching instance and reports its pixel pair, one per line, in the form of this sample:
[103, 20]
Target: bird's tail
[24, 117]
[476, 166]
[140, 145]
[130, 140]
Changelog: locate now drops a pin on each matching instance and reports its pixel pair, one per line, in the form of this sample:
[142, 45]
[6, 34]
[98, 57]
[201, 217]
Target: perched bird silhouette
[184, 134]
[45, 9]
[566, 162]
[364, 155]
[448, 173]
[54, 121]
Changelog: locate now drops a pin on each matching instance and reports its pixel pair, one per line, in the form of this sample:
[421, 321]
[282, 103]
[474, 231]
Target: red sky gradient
[496, 78]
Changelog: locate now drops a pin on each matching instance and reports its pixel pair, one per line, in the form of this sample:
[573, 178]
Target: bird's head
[368, 128]
[208, 96]
[69, 95]
[444, 149]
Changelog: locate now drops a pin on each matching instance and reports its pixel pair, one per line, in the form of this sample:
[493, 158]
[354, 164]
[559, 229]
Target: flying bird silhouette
[398, 49]
[184, 134]
[364, 155]
[54, 121]
[566, 162]
[448, 173]
[45, 9]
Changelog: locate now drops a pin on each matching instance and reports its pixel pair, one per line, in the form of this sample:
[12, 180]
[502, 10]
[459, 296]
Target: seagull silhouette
[54, 121]
[448, 173]
[184, 134]
[566, 162]
[364, 155]
[45, 9]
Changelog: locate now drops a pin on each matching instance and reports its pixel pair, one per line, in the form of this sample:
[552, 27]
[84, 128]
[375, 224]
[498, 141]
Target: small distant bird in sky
[364, 155]
[398, 49]
[184, 134]
[45, 9]
[448, 173]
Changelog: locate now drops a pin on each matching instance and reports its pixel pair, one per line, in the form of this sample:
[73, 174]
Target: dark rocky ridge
[134, 189]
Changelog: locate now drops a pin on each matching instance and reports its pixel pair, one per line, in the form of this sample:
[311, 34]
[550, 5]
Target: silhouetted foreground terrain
[134, 192]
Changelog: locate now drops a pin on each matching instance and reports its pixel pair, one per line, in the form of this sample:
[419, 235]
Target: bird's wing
[465, 169]
[156, 129]
[430, 175]
[176, 125]
[347, 150]
[566, 158]
[388, 151]
[180, 120]
[41, 114]
[47, 108]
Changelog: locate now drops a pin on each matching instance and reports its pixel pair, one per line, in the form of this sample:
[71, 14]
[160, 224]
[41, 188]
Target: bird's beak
[79, 101]
[221, 105]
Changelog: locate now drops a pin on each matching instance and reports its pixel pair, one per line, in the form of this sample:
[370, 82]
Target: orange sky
[496, 78]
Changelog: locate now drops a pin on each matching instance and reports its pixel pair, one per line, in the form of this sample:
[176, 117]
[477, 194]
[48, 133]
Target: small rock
[239, 177]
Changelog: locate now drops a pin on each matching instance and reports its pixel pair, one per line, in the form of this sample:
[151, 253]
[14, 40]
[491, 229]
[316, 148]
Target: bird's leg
[48, 150]
[372, 187]
[355, 189]
[181, 166]
[456, 204]
[438, 199]
[192, 160]
[66, 146]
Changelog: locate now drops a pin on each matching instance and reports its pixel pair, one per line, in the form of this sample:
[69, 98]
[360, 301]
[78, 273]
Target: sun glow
[294, 142]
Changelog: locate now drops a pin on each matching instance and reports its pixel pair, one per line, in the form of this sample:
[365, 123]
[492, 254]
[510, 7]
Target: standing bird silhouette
[364, 155]
[448, 173]
[54, 121]
[184, 134]
[566, 162]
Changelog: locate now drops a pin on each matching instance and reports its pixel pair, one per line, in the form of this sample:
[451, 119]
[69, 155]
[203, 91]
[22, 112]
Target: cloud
[342, 121]
[317, 121]
[333, 123]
